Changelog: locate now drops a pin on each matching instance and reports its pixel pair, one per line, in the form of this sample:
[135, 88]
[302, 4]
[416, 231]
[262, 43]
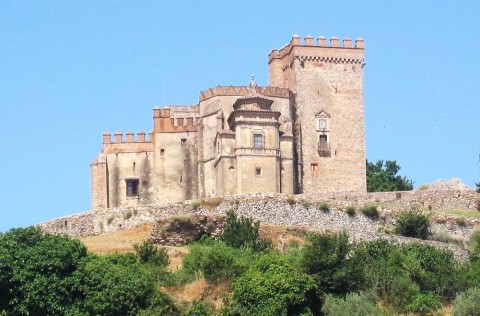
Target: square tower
[326, 84]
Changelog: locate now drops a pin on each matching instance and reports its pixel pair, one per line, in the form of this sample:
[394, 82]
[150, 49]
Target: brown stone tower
[326, 84]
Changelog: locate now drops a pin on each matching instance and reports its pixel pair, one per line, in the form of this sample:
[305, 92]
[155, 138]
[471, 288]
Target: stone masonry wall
[280, 209]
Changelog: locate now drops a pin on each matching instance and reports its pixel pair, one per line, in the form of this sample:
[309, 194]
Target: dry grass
[474, 214]
[201, 290]
[211, 203]
[282, 236]
[119, 241]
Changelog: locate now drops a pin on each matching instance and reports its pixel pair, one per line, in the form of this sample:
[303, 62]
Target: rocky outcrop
[181, 230]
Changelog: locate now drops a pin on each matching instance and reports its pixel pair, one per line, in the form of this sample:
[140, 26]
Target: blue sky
[70, 70]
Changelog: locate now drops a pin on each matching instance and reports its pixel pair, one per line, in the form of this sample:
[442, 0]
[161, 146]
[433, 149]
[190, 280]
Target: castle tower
[326, 82]
[257, 143]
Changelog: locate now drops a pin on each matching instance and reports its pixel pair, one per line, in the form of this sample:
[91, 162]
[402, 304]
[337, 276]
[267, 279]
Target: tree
[36, 271]
[384, 178]
[274, 287]
[326, 258]
[243, 232]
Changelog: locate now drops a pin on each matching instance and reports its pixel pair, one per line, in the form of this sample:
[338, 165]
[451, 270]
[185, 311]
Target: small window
[132, 187]
[322, 124]
[183, 142]
[162, 153]
[258, 172]
[257, 140]
[315, 170]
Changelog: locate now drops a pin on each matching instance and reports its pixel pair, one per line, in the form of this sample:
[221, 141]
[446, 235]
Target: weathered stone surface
[181, 230]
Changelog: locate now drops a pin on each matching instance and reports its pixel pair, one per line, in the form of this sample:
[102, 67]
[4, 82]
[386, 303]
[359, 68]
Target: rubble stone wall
[294, 211]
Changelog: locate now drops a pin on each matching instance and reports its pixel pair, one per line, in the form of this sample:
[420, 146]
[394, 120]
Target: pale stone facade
[304, 133]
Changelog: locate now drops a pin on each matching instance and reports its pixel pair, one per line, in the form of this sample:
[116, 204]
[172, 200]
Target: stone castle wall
[295, 211]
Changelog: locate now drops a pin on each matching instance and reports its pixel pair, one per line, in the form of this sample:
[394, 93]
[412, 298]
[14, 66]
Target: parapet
[330, 50]
[243, 90]
[129, 143]
[174, 119]
[129, 138]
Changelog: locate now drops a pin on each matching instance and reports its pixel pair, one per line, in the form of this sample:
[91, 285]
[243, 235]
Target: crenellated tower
[326, 85]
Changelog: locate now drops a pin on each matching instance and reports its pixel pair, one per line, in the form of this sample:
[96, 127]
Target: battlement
[129, 138]
[330, 50]
[243, 90]
[129, 143]
[171, 119]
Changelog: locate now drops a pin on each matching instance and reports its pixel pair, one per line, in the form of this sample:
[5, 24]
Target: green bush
[424, 303]
[195, 205]
[350, 210]
[243, 232]
[324, 207]
[460, 221]
[127, 215]
[199, 308]
[354, 304]
[216, 262]
[274, 287]
[148, 252]
[474, 244]
[325, 257]
[413, 223]
[291, 199]
[370, 211]
[306, 203]
[467, 303]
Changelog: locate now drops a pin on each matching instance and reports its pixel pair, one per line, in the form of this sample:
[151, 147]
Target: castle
[304, 133]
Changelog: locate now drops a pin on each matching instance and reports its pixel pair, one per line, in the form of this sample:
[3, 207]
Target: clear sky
[70, 70]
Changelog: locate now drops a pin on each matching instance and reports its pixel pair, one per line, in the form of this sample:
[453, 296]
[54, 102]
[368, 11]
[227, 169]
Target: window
[258, 172]
[162, 153]
[322, 124]
[132, 187]
[323, 146]
[314, 170]
[323, 142]
[183, 142]
[257, 140]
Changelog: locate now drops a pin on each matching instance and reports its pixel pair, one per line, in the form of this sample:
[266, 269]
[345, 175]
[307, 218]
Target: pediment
[322, 114]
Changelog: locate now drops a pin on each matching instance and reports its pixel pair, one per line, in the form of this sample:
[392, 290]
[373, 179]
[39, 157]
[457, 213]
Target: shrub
[354, 304]
[195, 205]
[467, 303]
[350, 210]
[324, 207]
[424, 303]
[413, 223]
[148, 252]
[216, 262]
[199, 308]
[370, 211]
[127, 215]
[274, 287]
[291, 199]
[239, 232]
[325, 256]
[475, 244]
[306, 203]
[460, 221]
[110, 220]
[423, 187]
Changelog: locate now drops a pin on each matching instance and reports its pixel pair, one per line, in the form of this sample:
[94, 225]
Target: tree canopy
[382, 177]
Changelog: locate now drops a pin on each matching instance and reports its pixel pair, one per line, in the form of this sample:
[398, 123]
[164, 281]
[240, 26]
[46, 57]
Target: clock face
[322, 124]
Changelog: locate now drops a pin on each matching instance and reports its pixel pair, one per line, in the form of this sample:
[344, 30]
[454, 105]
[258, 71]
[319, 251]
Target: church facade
[304, 133]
